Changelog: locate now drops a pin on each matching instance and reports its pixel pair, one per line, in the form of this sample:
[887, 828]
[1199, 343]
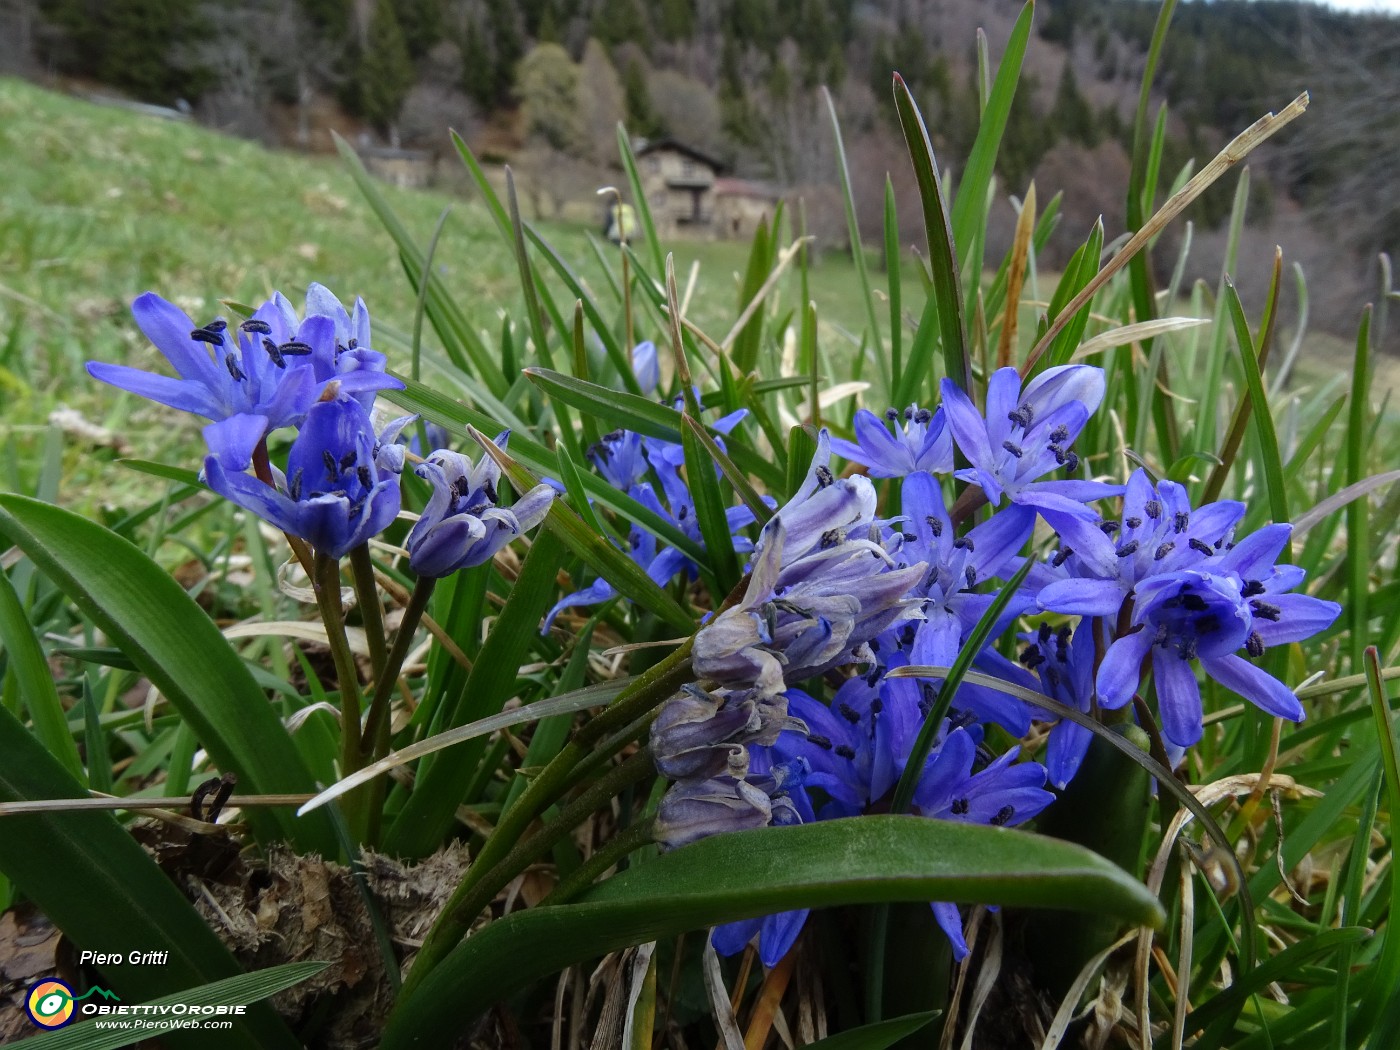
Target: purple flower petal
[186, 395]
[251, 494]
[882, 452]
[169, 327]
[1065, 495]
[778, 934]
[733, 937]
[1178, 698]
[1082, 597]
[1254, 556]
[1065, 383]
[1121, 669]
[996, 540]
[1003, 398]
[233, 439]
[1255, 685]
[968, 427]
[1299, 616]
[950, 922]
[1064, 753]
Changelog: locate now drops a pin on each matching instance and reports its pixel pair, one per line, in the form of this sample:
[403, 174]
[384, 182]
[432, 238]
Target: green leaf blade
[855, 860]
[242, 990]
[36, 687]
[179, 649]
[943, 255]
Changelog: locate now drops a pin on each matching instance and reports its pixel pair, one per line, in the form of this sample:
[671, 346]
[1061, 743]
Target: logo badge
[50, 1004]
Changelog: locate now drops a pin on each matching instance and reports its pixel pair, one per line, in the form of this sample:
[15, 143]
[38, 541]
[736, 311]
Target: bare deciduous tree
[686, 108]
[600, 105]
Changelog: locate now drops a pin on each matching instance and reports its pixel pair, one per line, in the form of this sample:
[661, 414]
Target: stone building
[679, 185]
[740, 205]
[688, 194]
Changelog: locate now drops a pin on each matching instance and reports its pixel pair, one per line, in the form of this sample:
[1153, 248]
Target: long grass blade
[969, 203]
[943, 258]
[1235, 151]
[858, 252]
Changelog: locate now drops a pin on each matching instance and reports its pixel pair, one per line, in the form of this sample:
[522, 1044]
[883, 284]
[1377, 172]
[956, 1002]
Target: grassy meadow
[98, 205]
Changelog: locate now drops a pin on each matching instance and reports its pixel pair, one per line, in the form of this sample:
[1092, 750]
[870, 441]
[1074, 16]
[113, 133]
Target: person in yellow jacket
[622, 222]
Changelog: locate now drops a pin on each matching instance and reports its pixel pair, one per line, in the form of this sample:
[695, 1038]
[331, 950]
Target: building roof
[746, 188]
[668, 143]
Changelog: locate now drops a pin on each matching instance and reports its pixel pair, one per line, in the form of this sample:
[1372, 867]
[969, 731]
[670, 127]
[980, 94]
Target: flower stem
[474, 893]
[327, 586]
[637, 767]
[388, 674]
[623, 843]
[367, 594]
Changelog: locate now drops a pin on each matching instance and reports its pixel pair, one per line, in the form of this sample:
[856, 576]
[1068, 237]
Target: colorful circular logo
[50, 1004]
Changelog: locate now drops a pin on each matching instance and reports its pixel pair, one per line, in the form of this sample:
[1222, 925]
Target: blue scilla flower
[801, 618]
[922, 443]
[623, 458]
[462, 526]
[620, 458]
[697, 731]
[339, 488]
[1026, 434]
[646, 367]
[1099, 563]
[950, 605]
[660, 562]
[1237, 600]
[264, 375]
[672, 454]
[1058, 662]
[753, 793]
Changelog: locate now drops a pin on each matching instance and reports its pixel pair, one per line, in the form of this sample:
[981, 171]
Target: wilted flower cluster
[821, 587]
[320, 375]
[836, 597]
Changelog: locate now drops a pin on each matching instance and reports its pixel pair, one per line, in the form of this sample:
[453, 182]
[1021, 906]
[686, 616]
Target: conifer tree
[1071, 116]
[381, 72]
[676, 19]
[507, 47]
[127, 43]
[331, 17]
[622, 22]
[641, 114]
[421, 23]
[478, 67]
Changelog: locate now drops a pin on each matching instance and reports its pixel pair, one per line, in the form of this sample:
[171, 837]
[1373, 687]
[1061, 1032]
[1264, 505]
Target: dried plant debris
[29, 950]
[292, 908]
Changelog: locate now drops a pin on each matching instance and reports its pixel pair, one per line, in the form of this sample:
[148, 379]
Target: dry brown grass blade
[785, 258]
[1183, 959]
[1015, 277]
[721, 1005]
[775, 983]
[1238, 148]
[110, 802]
[1055, 1034]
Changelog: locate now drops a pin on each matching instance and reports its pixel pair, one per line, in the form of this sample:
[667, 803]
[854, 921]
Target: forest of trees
[544, 83]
